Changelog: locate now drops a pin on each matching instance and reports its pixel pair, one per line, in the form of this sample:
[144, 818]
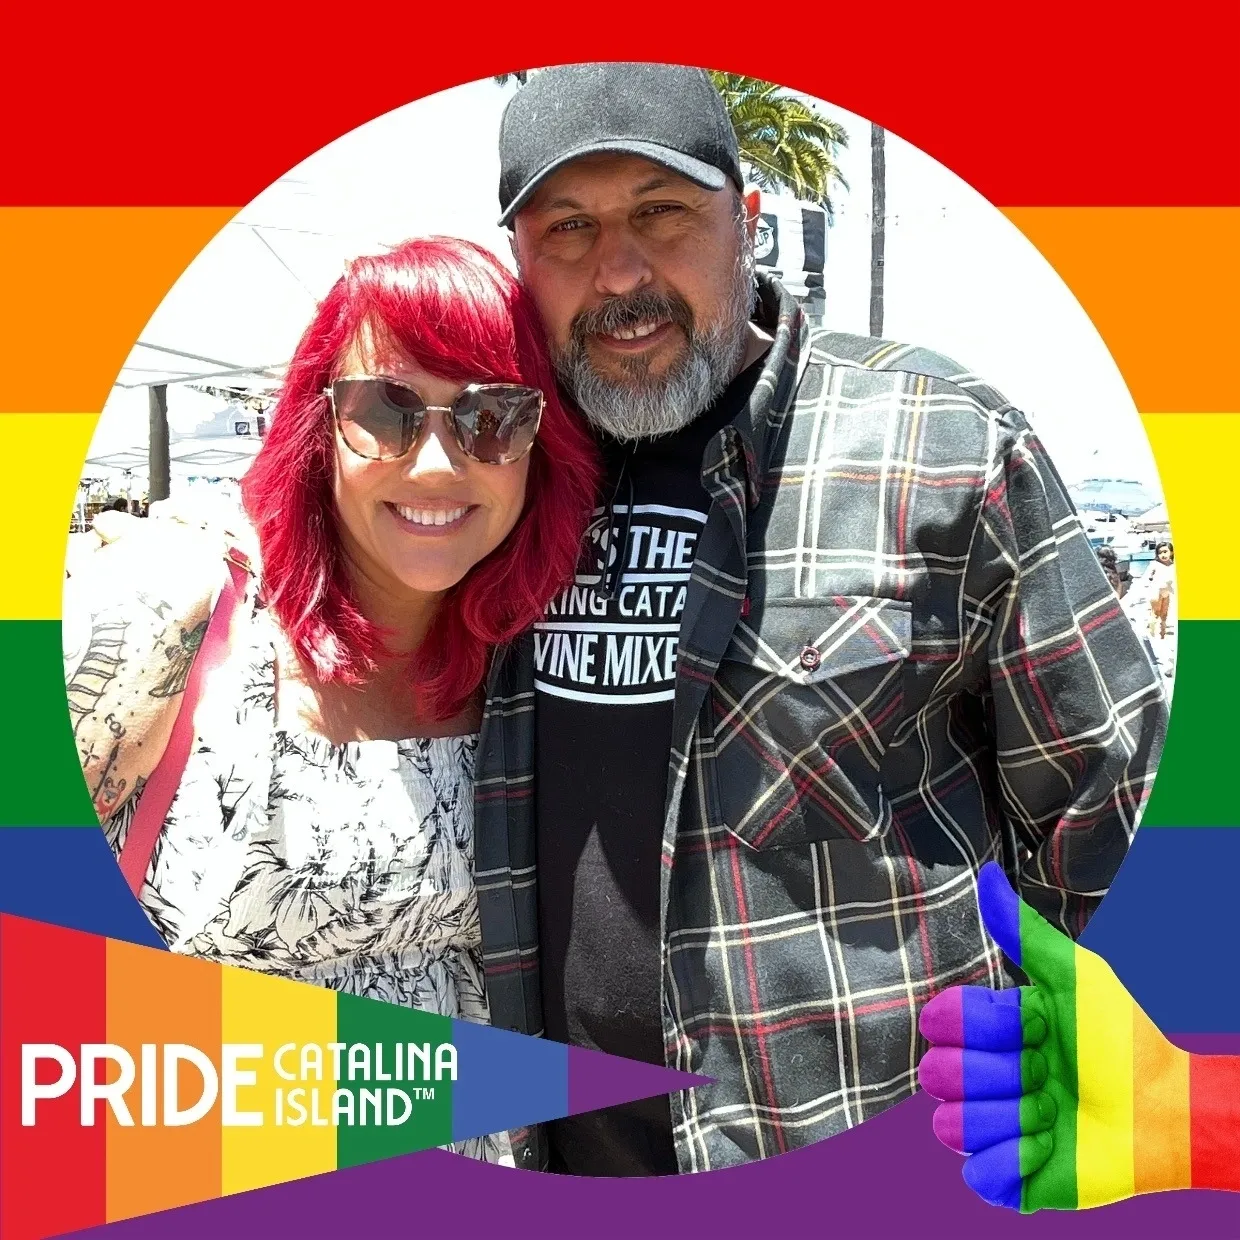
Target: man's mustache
[618, 314]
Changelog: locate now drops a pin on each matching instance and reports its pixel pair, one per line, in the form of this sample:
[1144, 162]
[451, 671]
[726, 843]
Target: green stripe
[1191, 790]
[47, 788]
[366, 1021]
[45, 785]
[1037, 1114]
[1050, 960]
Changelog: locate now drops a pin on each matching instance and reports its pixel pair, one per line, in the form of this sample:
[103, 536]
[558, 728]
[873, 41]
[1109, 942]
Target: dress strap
[165, 779]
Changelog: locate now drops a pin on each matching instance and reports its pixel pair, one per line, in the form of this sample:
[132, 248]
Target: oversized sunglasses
[381, 419]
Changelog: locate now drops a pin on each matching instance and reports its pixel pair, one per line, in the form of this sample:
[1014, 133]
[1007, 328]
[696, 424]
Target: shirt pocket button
[810, 657]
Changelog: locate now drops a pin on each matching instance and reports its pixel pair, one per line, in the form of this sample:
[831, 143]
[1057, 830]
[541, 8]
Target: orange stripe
[80, 284]
[158, 997]
[1159, 283]
[1160, 1120]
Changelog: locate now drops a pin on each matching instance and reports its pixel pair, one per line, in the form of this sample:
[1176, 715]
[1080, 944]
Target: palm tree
[520, 76]
[784, 141]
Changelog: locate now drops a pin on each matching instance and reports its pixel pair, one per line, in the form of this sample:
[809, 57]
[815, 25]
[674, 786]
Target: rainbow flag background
[72, 989]
[123, 162]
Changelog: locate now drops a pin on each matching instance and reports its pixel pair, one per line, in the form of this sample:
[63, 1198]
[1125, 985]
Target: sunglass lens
[378, 419]
[497, 422]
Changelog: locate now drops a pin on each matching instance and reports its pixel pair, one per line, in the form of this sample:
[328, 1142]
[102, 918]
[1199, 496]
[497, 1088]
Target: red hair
[453, 308]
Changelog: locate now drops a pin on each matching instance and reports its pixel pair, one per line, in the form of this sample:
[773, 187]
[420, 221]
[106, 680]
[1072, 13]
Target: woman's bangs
[456, 324]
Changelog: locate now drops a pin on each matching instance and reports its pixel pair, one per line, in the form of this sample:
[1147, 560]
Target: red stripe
[966, 778]
[764, 1028]
[751, 972]
[692, 673]
[125, 143]
[523, 966]
[1052, 656]
[1096, 621]
[1214, 1120]
[504, 794]
[805, 783]
[1074, 759]
[53, 985]
[927, 956]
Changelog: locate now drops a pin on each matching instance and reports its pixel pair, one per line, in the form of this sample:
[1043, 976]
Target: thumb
[1000, 907]
[1033, 944]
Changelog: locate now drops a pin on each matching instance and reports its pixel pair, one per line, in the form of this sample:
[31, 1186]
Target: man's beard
[642, 405]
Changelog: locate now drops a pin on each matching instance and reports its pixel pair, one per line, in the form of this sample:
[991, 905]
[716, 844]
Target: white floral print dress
[345, 865]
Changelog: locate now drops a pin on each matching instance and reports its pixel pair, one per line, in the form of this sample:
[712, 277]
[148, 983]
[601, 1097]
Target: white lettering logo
[621, 651]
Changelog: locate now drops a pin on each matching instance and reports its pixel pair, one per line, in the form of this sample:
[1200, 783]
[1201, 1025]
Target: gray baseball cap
[669, 114]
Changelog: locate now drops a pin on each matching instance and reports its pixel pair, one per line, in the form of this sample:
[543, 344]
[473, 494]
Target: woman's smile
[433, 520]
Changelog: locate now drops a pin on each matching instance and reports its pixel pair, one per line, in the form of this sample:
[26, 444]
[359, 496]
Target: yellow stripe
[39, 471]
[1104, 1136]
[1197, 455]
[270, 1012]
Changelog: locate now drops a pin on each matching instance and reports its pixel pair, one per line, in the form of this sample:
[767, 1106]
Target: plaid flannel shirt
[899, 658]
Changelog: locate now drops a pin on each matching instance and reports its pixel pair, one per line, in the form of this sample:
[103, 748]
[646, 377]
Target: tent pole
[160, 465]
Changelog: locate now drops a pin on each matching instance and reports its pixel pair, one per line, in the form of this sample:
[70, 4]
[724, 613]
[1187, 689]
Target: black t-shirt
[605, 672]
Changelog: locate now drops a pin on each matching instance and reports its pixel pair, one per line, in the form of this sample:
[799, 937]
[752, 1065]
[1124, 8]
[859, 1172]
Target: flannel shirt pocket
[805, 702]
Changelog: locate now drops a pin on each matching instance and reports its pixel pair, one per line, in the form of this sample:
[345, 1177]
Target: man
[837, 640]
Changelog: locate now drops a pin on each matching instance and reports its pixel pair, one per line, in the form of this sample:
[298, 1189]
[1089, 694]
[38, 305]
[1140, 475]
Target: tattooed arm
[134, 618]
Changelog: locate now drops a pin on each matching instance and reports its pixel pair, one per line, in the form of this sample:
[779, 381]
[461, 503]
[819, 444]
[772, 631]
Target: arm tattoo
[180, 659]
[97, 669]
[108, 790]
[158, 606]
[116, 827]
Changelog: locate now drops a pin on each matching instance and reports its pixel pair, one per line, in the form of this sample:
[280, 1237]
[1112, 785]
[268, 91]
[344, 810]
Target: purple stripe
[1207, 1043]
[942, 1019]
[891, 1168]
[949, 1126]
[941, 1072]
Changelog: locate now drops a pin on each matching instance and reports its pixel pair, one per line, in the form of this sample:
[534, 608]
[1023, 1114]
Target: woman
[1161, 579]
[409, 511]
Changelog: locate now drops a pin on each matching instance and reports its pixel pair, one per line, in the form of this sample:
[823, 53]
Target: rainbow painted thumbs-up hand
[1064, 1094]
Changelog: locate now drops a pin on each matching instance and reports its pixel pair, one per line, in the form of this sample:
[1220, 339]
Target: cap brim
[695, 170]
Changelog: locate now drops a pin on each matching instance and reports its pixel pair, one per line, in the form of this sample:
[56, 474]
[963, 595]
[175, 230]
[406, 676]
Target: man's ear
[512, 245]
[752, 199]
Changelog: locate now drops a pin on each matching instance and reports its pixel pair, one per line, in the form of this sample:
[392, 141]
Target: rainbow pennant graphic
[150, 1080]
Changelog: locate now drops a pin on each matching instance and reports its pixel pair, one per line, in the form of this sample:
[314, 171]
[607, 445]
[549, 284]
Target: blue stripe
[67, 876]
[1168, 927]
[505, 1080]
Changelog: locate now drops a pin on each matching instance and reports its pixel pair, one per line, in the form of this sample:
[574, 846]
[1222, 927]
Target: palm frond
[784, 142]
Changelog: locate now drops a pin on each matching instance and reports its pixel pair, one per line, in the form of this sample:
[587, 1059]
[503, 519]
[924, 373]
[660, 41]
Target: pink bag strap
[165, 779]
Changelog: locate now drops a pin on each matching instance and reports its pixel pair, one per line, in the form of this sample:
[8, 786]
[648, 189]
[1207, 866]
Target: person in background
[1110, 566]
[1161, 580]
